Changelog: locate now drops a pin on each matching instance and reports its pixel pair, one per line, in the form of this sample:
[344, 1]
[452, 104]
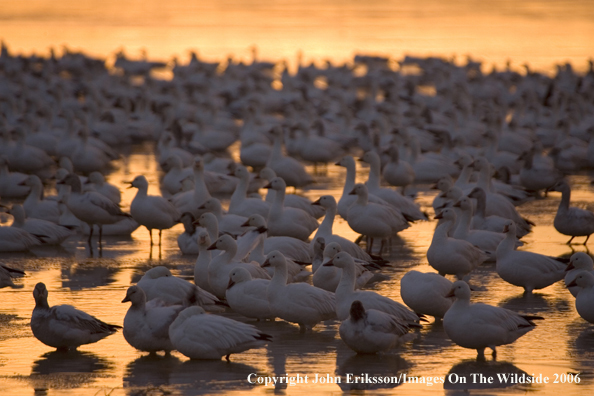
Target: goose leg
[382, 246]
[227, 357]
[586, 241]
[160, 231]
[100, 235]
[90, 234]
[151, 234]
[570, 239]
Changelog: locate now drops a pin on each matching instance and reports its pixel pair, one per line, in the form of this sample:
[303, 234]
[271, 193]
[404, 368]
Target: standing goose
[571, 220]
[478, 326]
[584, 301]
[63, 326]
[239, 203]
[152, 211]
[50, 233]
[346, 294]
[298, 303]
[481, 221]
[228, 223]
[146, 325]
[199, 335]
[578, 262]
[37, 207]
[371, 331]
[449, 255]
[203, 261]
[396, 172]
[285, 221]
[526, 269]
[248, 296]
[289, 169]
[426, 293]
[190, 201]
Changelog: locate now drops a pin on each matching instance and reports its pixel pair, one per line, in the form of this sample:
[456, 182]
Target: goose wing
[73, 318]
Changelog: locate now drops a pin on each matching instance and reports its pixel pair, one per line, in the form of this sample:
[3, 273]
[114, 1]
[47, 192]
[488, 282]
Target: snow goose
[166, 148]
[63, 326]
[187, 239]
[190, 201]
[37, 207]
[7, 274]
[396, 172]
[146, 325]
[285, 221]
[536, 178]
[203, 260]
[176, 174]
[328, 277]
[248, 296]
[449, 255]
[481, 221]
[158, 282]
[444, 185]
[478, 326]
[28, 159]
[571, 220]
[291, 170]
[426, 293]
[373, 220]
[86, 157]
[371, 331]
[292, 200]
[318, 148]
[584, 301]
[13, 239]
[91, 207]
[152, 211]
[199, 335]
[526, 269]
[401, 203]
[221, 265]
[228, 223]
[346, 294]
[50, 233]
[577, 263]
[12, 183]
[97, 183]
[298, 303]
[328, 202]
[239, 203]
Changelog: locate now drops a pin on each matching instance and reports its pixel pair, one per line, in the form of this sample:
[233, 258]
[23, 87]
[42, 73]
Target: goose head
[96, 178]
[73, 181]
[583, 279]
[277, 184]
[225, 242]
[135, 295]
[360, 190]
[357, 311]
[332, 249]
[477, 193]
[207, 220]
[172, 162]
[444, 184]
[238, 275]
[448, 214]
[275, 259]
[580, 260]
[139, 182]
[460, 290]
[347, 162]
[257, 221]
[212, 205]
[319, 245]
[465, 204]
[203, 240]
[341, 260]
[560, 186]
[267, 174]
[371, 158]
[241, 172]
[509, 228]
[325, 201]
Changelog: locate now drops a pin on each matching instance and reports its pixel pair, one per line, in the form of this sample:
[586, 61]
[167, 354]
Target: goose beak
[126, 299]
[353, 192]
[246, 224]
[569, 266]
[203, 206]
[196, 222]
[572, 283]
[231, 283]
[316, 202]
[457, 205]
[268, 186]
[130, 184]
[434, 186]
[505, 228]
[337, 163]
[265, 263]
[23, 183]
[451, 293]
[360, 159]
[439, 216]
[212, 247]
[329, 263]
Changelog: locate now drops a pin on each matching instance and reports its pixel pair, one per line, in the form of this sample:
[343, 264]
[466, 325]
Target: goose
[12, 183]
[478, 326]
[166, 148]
[190, 201]
[96, 182]
[328, 202]
[63, 326]
[526, 269]
[577, 263]
[405, 205]
[152, 211]
[481, 221]
[221, 265]
[228, 223]
[7, 274]
[172, 182]
[239, 203]
[202, 263]
[445, 185]
[426, 293]
[37, 207]
[292, 200]
[146, 325]
[50, 233]
[371, 331]
[14, 239]
[373, 220]
[536, 178]
[28, 159]
[396, 172]
[449, 255]
[87, 157]
[318, 148]
[571, 220]
[289, 169]
[199, 335]
[285, 221]
[158, 282]
[186, 241]
[584, 301]
[298, 303]
[328, 277]
[346, 294]
[248, 296]
[91, 207]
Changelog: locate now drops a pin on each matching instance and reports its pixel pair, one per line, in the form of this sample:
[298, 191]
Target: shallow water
[562, 343]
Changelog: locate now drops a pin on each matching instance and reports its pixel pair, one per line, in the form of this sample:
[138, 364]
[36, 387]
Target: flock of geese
[63, 118]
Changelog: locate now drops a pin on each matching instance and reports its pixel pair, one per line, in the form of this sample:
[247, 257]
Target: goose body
[37, 207]
[570, 220]
[248, 296]
[579, 262]
[584, 301]
[239, 203]
[13, 239]
[426, 293]
[288, 168]
[50, 233]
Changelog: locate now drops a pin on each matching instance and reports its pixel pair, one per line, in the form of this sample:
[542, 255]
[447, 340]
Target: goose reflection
[207, 377]
[150, 370]
[430, 339]
[581, 349]
[480, 369]
[374, 366]
[534, 304]
[89, 274]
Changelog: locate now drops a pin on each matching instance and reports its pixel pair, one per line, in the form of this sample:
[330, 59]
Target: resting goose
[242, 205]
[481, 221]
[571, 220]
[248, 296]
[228, 223]
[289, 169]
[50, 233]
[577, 263]
[37, 207]
[426, 293]
[584, 301]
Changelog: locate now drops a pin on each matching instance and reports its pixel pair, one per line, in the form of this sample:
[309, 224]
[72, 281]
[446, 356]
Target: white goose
[478, 326]
[152, 211]
[449, 255]
[158, 282]
[346, 294]
[571, 220]
[228, 223]
[578, 262]
[481, 221]
[285, 221]
[221, 265]
[426, 293]
[289, 169]
[190, 201]
[248, 296]
[63, 326]
[198, 335]
[97, 183]
[396, 172]
[584, 301]
[7, 274]
[239, 203]
[526, 269]
[203, 261]
[298, 303]
[11, 183]
[146, 325]
[371, 331]
[186, 241]
[37, 207]
[50, 233]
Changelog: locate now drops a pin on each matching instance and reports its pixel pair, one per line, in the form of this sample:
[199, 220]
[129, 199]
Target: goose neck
[463, 226]
[347, 281]
[279, 279]
[349, 183]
